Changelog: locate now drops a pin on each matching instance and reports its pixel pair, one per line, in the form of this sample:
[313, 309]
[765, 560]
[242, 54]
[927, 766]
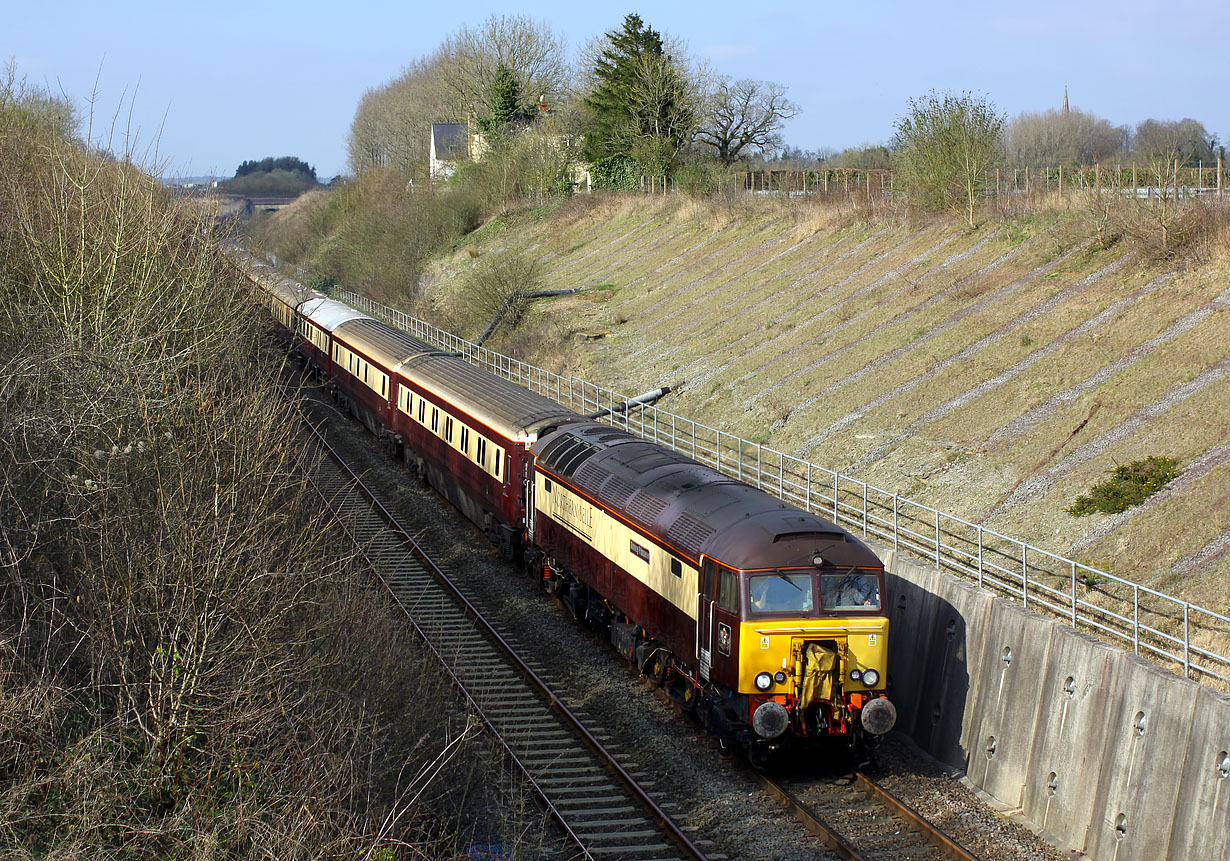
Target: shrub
[616, 173]
[699, 178]
[1129, 485]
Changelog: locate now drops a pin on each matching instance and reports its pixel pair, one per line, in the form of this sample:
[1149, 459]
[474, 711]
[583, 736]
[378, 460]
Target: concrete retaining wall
[1112, 756]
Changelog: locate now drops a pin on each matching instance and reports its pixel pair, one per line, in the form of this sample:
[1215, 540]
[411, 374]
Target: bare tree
[529, 49]
[745, 117]
[1185, 140]
[1051, 138]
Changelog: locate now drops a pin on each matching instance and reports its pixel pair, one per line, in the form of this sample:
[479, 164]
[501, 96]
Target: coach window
[480, 455]
[465, 440]
[676, 567]
[435, 419]
[448, 428]
[499, 461]
[422, 411]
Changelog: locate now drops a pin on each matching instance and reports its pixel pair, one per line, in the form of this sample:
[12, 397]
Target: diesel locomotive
[764, 619]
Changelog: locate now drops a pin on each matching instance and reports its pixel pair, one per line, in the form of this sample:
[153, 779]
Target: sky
[193, 89]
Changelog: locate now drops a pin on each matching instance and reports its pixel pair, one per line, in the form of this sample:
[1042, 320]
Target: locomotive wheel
[655, 668]
[690, 696]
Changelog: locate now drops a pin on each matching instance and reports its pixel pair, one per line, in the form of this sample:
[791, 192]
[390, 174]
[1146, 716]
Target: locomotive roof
[329, 313]
[515, 412]
[690, 506]
[386, 345]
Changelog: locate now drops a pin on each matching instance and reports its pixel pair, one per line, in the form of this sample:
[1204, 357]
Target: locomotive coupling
[879, 716]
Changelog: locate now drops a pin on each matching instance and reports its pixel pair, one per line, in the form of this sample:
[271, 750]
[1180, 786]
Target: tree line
[633, 104]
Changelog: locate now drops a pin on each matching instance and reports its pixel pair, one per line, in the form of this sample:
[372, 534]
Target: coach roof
[515, 412]
[329, 313]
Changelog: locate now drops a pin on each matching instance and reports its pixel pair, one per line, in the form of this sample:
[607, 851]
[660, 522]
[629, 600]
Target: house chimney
[542, 103]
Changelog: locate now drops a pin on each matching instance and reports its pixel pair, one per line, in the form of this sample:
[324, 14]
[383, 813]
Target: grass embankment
[191, 665]
[996, 373]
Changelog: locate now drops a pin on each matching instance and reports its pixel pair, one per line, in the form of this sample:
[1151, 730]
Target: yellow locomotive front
[813, 655]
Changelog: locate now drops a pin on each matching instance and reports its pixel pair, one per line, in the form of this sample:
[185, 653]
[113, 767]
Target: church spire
[1065, 99]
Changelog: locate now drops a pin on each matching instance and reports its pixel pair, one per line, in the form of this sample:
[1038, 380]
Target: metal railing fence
[1171, 631]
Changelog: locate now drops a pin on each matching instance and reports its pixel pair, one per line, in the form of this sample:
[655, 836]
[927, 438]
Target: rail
[1151, 623]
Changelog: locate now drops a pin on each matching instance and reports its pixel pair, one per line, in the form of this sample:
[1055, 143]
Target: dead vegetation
[189, 664]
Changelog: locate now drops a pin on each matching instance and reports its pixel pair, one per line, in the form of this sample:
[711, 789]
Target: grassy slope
[943, 364]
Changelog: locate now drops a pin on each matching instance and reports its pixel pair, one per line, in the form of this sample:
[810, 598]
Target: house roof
[450, 140]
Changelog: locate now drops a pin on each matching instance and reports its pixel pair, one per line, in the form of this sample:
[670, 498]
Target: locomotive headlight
[764, 681]
[871, 678]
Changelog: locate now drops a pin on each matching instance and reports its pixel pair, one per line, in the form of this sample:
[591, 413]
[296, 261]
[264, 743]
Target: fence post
[1219, 177]
[1074, 594]
[980, 556]
[1061, 182]
[937, 540]
[1027, 189]
[896, 533]
[1025, 575]
[1135, 187]
[1187, 640]
[1135, 619]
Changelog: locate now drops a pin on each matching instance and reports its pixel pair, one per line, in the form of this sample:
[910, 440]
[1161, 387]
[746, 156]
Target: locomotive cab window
[851, 590]
[728, 590]
[781, 593]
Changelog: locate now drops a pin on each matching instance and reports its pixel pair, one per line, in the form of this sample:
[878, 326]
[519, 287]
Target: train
[765, 620]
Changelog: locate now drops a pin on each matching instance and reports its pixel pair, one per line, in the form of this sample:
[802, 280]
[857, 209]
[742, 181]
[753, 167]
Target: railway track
[607, 810]
[601, 807]
[858, 819]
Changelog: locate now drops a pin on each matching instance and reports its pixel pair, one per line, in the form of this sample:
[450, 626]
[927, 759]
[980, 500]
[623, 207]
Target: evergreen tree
[505, 101]
[640, 105]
